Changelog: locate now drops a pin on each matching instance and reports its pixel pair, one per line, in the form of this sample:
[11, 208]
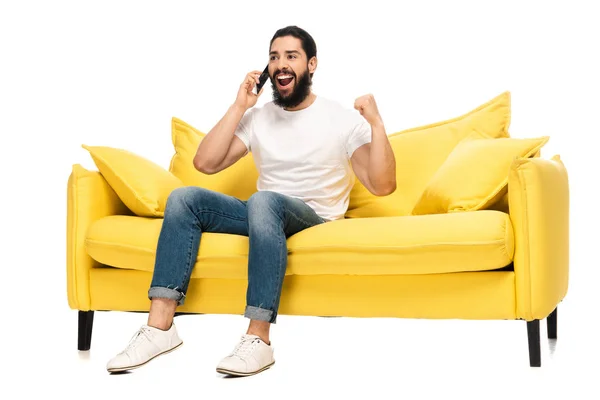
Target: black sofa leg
[552, 321]
[86, 321]
[533, 335]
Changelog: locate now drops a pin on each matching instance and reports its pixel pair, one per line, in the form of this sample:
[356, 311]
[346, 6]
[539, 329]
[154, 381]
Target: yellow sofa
[478, 228]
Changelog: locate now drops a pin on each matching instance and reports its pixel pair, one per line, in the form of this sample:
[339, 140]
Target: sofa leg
[86, 321]
[552, 321]
[533, 336]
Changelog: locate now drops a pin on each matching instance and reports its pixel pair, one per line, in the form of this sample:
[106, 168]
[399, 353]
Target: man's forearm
[382, 163]
[214, 146]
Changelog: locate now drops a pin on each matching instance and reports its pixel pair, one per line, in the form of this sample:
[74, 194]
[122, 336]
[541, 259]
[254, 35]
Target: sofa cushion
[427, 244]
[419, 153]
[475, 175]
[130, 242]
[239, 180]
[142, 185]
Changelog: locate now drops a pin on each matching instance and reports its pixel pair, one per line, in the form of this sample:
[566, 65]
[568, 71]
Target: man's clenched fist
[368, 109]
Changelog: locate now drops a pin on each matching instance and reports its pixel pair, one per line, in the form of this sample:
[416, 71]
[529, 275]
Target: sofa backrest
[239, 180]
[419, 152]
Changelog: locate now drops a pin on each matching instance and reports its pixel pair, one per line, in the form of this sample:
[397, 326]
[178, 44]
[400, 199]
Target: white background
[113, 73]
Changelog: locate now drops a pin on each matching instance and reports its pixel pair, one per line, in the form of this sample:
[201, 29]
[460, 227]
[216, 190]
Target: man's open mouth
[284, 79]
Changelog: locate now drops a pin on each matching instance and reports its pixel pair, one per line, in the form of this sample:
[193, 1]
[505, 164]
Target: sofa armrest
[89, 198]
[538, 195]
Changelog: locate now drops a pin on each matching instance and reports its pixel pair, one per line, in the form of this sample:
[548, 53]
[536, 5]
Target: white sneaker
[145, 345]
[250, 356]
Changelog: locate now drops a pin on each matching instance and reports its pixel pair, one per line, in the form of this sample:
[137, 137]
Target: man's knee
[183, 198]
[263, 203]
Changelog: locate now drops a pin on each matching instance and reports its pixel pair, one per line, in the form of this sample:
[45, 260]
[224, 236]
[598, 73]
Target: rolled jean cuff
[166, 293]
[260, 314]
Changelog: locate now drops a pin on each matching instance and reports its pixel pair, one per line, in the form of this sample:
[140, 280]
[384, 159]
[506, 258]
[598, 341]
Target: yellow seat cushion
[475, 174]
[142, 185]
[239, 180]
[419, 152]
[428, 244]
[130, 242]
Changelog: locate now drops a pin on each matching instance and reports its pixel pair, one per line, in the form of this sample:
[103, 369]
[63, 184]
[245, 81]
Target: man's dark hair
[308, 43]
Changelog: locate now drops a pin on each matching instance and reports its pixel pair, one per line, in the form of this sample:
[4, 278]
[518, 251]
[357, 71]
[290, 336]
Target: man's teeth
[284, 77]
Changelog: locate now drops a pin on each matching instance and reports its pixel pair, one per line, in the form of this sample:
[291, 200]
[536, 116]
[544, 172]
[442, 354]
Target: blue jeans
[266, 218]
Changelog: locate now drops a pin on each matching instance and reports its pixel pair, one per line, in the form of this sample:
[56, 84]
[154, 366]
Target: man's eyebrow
[287, 51]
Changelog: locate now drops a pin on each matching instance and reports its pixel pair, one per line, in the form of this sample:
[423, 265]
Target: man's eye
[292, 56]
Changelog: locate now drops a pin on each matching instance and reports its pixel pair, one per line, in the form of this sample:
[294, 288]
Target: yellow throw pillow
[142, 185]
[239, 180]
[475, 175]
[420, 151]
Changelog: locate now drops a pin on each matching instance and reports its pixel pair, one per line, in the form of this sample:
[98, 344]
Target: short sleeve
[245, 128]
[359, 134]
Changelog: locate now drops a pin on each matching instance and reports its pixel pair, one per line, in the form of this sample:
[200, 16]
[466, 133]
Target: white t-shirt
[306, 154]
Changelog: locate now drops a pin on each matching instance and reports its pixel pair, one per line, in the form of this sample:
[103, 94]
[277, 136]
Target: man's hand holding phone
[246, 98]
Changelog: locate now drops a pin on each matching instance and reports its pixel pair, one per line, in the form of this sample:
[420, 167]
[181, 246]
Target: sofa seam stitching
[99, 243]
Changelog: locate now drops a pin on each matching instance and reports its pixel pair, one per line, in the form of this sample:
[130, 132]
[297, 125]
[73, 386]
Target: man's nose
[282, 64]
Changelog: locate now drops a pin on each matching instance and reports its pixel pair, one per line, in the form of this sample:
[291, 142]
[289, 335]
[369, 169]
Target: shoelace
[244, 347]
[135, 339]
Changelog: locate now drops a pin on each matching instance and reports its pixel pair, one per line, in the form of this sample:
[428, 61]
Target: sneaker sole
[122, 369]
[239, 373]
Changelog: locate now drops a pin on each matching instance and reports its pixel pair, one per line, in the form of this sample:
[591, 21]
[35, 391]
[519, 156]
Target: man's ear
[312, 65]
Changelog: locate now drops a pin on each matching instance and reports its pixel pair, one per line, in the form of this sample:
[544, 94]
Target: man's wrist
[238, 108]
[377, 123]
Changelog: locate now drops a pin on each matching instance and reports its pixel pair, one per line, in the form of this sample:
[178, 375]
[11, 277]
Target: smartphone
[262, 79]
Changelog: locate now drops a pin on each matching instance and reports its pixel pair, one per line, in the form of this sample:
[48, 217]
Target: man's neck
[305, 103]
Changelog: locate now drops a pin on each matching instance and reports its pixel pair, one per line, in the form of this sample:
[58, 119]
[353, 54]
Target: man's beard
[301, 91]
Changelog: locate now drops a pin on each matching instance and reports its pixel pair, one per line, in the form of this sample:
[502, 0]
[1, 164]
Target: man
[307, 150]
